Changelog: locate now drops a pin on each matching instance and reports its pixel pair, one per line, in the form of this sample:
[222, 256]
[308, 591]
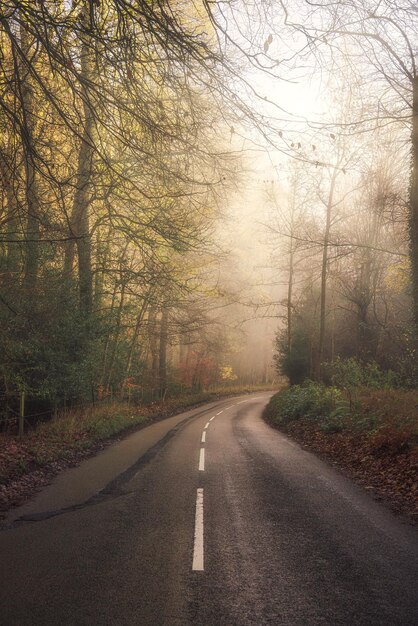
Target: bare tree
[379, 39]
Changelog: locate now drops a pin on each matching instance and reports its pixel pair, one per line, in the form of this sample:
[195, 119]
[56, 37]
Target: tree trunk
[80, 218]
[116, 335]
[103, 377]
[32, 187]
[413, 202]
[289, 298]
[322, 313]
[139, 319]
[153, 344]
[291, 266]
[163, 352]
[11, 217]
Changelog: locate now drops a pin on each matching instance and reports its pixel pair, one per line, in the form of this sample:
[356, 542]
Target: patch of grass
[79, 430]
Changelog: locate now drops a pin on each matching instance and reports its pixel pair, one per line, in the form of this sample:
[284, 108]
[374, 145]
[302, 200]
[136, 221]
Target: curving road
[216, 520]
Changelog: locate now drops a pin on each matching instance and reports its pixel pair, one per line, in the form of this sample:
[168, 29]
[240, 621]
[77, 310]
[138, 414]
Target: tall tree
[378, 37]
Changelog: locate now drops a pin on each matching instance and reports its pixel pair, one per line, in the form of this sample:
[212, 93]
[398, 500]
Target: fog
[240, 187]
[318, 224]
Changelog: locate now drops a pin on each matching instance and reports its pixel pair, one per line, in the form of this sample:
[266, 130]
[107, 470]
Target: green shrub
[352, 374]
[366, 422]
[344, 373]
[312, 400]
[332, 426]
[294, 363]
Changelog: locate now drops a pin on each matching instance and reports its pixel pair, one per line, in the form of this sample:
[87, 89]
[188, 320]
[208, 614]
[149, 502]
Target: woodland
[112, 169]
[125, 127]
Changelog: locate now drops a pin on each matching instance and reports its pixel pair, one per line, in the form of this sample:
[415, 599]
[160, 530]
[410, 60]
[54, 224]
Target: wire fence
[18, 412]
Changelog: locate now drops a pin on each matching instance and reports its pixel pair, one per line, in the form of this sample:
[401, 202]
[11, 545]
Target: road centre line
[219, 412]
[198, 549]
[207, 426]
[229, 407]
[212, 418]
[202, 460]
[204, 436]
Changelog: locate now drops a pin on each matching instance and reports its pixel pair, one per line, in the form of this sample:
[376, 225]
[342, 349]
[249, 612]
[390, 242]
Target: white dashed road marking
[198, 549]
[202, 460]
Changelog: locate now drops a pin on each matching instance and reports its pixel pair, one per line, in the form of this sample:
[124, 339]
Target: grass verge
[29, 463]
[371, 435]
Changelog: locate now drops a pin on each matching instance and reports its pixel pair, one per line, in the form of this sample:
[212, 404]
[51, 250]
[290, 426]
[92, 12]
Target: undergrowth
[71, 432]
[311, 400]
[388, 417]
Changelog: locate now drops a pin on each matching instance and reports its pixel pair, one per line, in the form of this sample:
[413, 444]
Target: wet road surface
[223, 521]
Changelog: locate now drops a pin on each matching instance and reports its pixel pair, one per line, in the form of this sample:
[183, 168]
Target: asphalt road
[253, 530]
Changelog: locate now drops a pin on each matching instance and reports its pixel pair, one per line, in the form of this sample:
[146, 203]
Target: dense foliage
[112, 165]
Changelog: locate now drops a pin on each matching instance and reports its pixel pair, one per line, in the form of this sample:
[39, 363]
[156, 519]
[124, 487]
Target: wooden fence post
[22, 414]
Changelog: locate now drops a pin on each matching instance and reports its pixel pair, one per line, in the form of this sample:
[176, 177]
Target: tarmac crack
[113, 490]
